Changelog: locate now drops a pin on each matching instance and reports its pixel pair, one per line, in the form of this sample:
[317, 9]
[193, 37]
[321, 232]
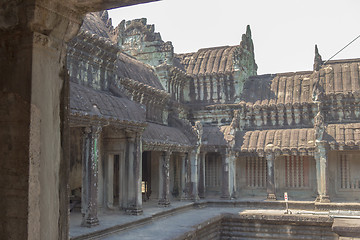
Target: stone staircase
[247, 226]
[242, 229]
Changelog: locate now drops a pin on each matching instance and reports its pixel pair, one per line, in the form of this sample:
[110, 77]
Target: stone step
[251, 230]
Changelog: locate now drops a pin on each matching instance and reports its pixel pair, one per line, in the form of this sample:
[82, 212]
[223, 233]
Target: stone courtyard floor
[182, 217]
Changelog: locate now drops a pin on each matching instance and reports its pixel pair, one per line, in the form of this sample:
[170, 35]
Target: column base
[322, 199]
[164, 203]
[195, 198]
[184, 197]
[271, 197]
[202, 196]
[134, 211]
[90, 222]
[225, 197]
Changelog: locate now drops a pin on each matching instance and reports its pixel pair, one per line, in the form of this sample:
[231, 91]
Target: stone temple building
[147, 123]
[113, 117]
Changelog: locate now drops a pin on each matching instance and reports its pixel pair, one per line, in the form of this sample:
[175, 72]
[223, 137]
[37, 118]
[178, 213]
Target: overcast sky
[284, 32]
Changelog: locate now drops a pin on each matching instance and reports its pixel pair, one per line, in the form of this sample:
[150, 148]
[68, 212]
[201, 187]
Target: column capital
[167, 154]
[92, 129]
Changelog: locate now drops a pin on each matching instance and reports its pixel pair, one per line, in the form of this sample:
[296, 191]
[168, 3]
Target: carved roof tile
[273, 89]
[283, 140]
[208, 60]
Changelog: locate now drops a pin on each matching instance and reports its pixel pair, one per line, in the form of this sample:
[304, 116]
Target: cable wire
[341, 49]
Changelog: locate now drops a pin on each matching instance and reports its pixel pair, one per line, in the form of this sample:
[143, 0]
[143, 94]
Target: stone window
[349, 171]
[297, 171]
[256, 172]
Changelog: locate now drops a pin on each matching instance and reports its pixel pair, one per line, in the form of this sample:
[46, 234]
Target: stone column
[270, 183]
[183, 176]
[225, 191]
[202, 175]
[164, 179]
[134, 206]
[34, 117]
[110, 181]
[194, 159]
[321, 158]
[90, 176]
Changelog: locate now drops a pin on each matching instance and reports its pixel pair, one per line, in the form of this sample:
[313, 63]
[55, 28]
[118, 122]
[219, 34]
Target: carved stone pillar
[321, 158]
[164, 183]
[225, 191]
[134, 203]
[183, 176]
[90, 176]
[202, 175]
[270, 183]
[194, 161]
[33, 96]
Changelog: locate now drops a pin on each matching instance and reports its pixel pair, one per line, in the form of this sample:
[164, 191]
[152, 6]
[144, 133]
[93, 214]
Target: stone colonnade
[192, 182]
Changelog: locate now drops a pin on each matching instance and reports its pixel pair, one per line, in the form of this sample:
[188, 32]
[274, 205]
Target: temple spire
[317, 59]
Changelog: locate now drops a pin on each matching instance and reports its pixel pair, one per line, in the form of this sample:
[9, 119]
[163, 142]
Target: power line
[341, 49]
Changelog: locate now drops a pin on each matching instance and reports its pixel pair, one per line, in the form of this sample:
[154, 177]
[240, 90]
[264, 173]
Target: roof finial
[248, 31]
[317, 59]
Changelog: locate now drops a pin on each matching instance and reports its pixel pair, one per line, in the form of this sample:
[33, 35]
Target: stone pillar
[90, 176]
[110, 181]
[35, 166]
[183, 176]
[270, 183]
[164, 179]
[134, 205]
[202, 175]
[321, 158]
[225, 191]
[193, 191]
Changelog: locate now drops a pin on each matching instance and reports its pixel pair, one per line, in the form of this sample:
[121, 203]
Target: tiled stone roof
[88, 102]
[340, 135]
[285, 141]
[340, 76]
[156, 134]
[272, 89]
[215, 136]
[129, 67]
[98, 23]
[209, 60]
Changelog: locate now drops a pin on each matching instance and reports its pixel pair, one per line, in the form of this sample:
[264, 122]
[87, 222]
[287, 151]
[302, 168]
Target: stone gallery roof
[160, 135]
[340, 76]
[98, 23]
[209, 60]
[129, 67]
[87, 102]
[285, 88]
[286, 141]
[215, 136]
[340, 135]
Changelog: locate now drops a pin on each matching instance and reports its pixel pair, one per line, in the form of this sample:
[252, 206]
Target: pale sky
[284, 31]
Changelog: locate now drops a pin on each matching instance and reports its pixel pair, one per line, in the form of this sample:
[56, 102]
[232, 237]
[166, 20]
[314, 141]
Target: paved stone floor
[109, 219]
